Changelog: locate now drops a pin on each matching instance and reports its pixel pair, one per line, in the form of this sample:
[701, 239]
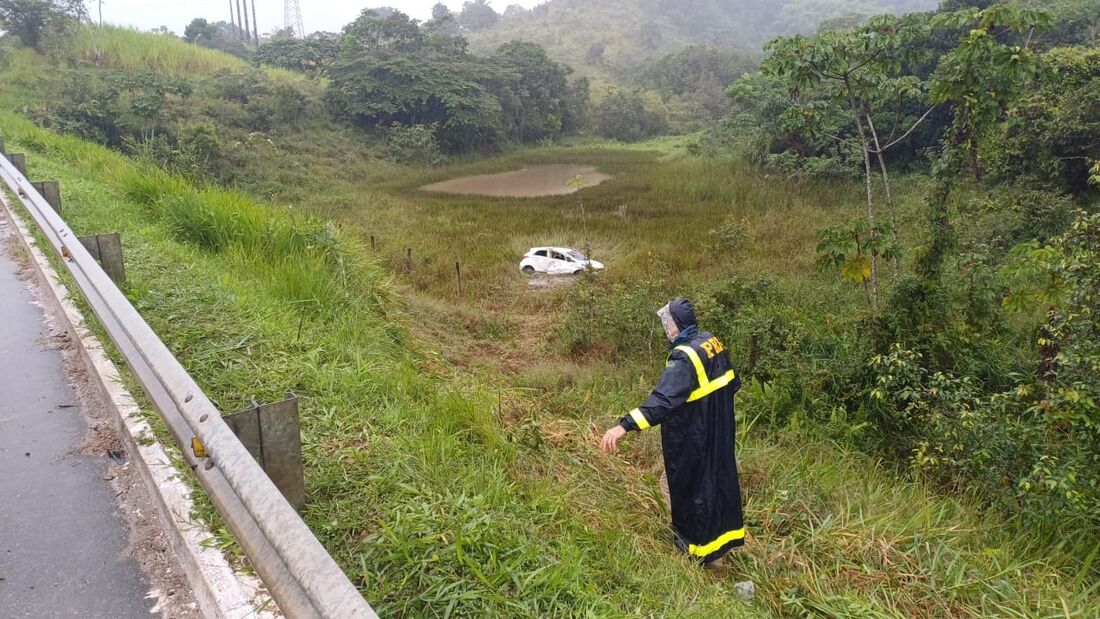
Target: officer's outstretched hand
[610, 441]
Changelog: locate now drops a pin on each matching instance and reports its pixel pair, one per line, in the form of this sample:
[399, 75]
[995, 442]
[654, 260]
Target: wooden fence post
[51, 191]
[19, 160]
[107, 250]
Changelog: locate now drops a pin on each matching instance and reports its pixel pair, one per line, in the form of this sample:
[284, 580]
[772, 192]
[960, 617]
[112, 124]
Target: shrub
[626, 116]
[733, 235]
[416, 144]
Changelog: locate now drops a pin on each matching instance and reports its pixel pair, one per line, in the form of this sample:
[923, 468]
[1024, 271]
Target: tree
[857, 69]
[1050, 134]
[594, 55]
[200, 30]
[477, 15]
[698, 76]
[374, 33]
[33, 20]
[443, 20]
[513, 11]
[534, 94]
[311, 55]
[983, 75]
[221, 36]
[624, 116]
[389, 70]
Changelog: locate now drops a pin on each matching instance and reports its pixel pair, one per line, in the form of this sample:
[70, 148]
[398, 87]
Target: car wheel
[529, 270]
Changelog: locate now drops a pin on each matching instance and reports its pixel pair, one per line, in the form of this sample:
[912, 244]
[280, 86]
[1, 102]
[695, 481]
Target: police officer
[693, 404]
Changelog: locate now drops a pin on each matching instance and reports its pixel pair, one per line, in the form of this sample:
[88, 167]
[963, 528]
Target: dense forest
[624, 34]
[888, 210]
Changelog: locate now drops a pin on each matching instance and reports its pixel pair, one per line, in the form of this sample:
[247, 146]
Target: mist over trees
[624, 34]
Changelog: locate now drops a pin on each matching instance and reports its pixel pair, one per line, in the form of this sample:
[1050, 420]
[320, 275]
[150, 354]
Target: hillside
[599, 37]
[449, 431]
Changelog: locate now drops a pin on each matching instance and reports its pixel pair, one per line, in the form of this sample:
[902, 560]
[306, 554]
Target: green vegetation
[391, 70]
[124, 48]
[621, 36]
[434, 490]
[928, 454]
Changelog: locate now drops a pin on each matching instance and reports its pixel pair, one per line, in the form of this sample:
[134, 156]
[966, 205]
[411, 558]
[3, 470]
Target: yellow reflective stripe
[639, 419]
[711, 387]
[700, 371]
[706, 386]
[725, 538]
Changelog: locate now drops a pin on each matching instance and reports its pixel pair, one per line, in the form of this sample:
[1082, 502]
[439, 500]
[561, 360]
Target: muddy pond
[529, 182]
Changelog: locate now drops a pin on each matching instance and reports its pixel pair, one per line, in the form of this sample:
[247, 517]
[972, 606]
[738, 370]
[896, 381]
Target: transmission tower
[293, 18]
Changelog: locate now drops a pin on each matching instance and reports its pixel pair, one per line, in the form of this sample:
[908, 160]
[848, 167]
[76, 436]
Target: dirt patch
[531, 182]
[550, 281]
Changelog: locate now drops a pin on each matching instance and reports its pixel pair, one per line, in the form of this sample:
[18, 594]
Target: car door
[541, 261]
[559, 264]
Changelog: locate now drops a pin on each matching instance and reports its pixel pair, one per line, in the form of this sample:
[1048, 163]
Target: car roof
[561, 249]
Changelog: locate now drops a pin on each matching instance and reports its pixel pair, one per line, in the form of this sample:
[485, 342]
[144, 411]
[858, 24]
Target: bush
[626, 116]
[416, 145]
[733, 235]
[261, 103]
[1051, 134]
[1033, 445]
[1019, 213]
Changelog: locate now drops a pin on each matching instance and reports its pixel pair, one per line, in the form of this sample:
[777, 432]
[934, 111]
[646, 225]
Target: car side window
[541, 253]
[556, 256]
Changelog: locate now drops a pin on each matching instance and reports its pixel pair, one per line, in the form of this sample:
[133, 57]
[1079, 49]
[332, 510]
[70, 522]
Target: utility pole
[247, 30]
[255, 24]
[239, 20]
[232, 20]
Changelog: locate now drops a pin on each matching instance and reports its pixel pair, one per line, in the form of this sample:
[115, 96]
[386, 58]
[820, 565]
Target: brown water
[531, 182]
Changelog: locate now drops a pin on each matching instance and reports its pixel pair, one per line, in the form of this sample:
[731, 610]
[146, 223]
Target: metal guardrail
[296, 569]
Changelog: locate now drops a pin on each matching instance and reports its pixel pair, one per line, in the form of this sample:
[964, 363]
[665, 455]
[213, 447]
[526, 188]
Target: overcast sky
[330, 15]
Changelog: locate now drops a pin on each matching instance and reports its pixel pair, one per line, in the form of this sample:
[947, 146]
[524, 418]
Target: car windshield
[576, 255]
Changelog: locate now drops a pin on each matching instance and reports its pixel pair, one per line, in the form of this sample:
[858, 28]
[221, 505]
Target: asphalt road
[64, 550]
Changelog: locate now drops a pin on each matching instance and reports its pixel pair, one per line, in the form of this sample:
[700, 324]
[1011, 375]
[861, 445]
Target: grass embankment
[442, 496]
[126, 48]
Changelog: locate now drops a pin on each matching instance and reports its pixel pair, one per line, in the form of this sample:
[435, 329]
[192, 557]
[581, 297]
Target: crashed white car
[556, 261]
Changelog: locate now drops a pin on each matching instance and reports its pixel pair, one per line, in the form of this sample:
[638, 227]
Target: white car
[556, 261]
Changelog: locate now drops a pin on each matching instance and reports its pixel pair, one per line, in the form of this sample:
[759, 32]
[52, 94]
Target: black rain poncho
[693, 404]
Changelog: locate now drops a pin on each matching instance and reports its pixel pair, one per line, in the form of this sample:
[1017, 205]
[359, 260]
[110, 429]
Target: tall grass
[127, 48]
[441, 495]
[114, 47]
[448, 445]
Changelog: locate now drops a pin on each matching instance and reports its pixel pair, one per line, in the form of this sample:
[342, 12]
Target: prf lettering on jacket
[713, 347]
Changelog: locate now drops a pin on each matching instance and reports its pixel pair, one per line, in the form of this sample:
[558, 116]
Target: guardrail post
[107, 250]
[271, 433]
[302, 577]
[19, 160]
[51, 190]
